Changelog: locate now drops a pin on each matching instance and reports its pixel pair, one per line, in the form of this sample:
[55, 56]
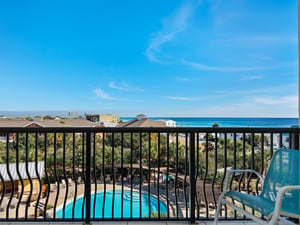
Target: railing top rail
[150, 129]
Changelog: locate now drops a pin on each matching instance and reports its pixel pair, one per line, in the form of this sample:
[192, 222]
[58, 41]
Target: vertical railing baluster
[113, 172]
[290, 135]
[167, 179]
[131, 161]
[9, 175]
[205, 175]
[19, 174]
[234, 163]
[149, 173]
[176, 178]
[215, 168]
[141, 175]
[158, 174]
[280, 141]
[192, 180]
[46, 174]
[56, 176]
[186, 171]
[3, 185]
[272, 144]
[295, 140]
[261, 160]
[122, 169]
[225, 166]
[28, 176]
[83, 152]
[104, 174]
[74, 175]
[88, 179]
[65, 175]
[38, 176]
[252, 161]
[95, 174]
[244, 165]
[197, 197]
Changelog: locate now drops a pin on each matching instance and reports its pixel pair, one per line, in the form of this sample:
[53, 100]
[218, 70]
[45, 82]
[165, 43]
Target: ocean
[227, 122]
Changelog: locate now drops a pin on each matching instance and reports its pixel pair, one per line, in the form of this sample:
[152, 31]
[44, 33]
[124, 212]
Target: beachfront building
[108, 120]
[171, 123]
[21, 122]
[41, 122]
[141, 120]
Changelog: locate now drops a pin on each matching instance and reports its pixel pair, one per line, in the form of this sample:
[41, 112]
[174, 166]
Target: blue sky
[225, 58]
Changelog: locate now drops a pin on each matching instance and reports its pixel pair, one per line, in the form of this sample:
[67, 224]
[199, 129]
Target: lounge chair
[13, 203]
[79, 180]
[3, 205]
[280, 194]
[63, 183]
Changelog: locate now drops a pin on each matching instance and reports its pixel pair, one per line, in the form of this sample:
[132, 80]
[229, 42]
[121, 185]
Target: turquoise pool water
[116, 210]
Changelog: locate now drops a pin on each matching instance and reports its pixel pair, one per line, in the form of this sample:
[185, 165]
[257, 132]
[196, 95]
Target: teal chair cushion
[257, 203]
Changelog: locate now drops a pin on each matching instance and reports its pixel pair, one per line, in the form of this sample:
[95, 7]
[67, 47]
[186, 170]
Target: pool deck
[80, 192]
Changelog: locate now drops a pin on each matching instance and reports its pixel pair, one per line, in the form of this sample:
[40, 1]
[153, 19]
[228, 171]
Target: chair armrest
[279, 197]
[230, 172]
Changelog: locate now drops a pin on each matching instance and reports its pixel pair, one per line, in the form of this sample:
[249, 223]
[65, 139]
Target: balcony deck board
[246, 222]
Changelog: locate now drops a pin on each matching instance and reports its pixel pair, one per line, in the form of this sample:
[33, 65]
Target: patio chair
[4, 203]
[280, 195]
[63, 183]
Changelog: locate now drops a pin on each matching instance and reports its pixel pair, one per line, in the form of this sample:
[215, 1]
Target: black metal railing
[94, 174]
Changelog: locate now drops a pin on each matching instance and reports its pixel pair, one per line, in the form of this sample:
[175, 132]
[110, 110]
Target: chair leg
[217, 212]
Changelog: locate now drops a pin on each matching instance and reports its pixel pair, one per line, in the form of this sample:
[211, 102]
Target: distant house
[171, 123]
[9, 122]
[108, 120]
[142, 121]
[19, 122]
[93, 117]
[15, 180]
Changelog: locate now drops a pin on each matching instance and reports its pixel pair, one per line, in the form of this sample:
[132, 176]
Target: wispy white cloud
[252, 77]
[172, 26]
[124, 87]
[260, 40]
[105, 96]
[261, 57]
[203, 67]
[223, 12]
[181, 98]
[267, 90]
[284, 101]
[285, 106]
[183, 79]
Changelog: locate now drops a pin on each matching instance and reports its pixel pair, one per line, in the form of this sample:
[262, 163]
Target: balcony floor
[145, 223]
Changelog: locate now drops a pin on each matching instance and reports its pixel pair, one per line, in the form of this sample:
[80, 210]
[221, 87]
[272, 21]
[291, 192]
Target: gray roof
[22, 170]
[143, 122]
[46, 123]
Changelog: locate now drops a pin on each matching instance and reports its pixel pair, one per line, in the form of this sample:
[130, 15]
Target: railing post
[87, 189]
[192, 194]
[295, 140]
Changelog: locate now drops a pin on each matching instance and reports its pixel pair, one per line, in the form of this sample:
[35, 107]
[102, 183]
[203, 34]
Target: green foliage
[63, 151]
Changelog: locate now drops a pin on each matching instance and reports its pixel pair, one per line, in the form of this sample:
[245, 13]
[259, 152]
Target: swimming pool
[115, 212]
